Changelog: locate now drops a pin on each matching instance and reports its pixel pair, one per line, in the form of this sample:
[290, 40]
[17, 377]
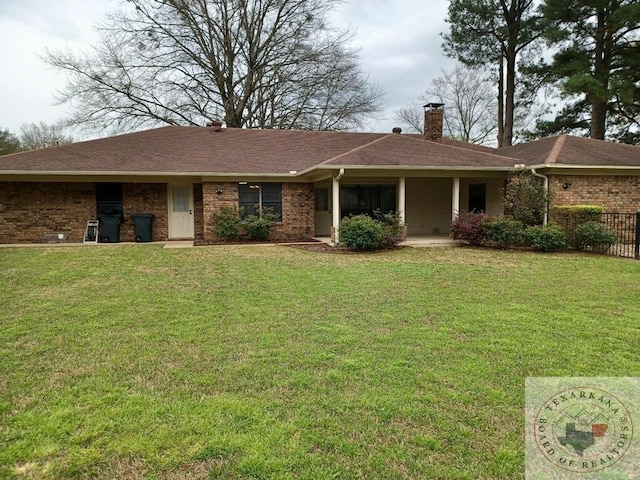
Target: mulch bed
[341, 249]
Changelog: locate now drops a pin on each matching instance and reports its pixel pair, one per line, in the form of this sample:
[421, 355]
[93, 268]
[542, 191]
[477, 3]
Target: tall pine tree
[492, 34]
[596, 67]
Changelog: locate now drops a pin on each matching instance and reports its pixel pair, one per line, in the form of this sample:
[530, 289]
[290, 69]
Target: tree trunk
[501, 104]
[598, 119]
[509, 103]
[602, 67]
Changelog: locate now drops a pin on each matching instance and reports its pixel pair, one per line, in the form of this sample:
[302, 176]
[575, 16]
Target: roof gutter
[545, 219]
[414, 167]
[569, 166]
[335, 206]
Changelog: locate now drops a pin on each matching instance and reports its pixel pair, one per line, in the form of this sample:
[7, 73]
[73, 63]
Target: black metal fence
[627, 227]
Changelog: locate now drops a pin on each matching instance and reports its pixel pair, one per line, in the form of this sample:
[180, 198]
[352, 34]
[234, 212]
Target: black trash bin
[143, 227]
[109, 228]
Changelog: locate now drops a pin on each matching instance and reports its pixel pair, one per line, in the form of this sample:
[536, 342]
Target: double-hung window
[256, 197]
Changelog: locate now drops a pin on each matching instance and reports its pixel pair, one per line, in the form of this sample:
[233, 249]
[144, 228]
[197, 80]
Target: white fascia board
[409, 167]
[571, 166]
[78, 173]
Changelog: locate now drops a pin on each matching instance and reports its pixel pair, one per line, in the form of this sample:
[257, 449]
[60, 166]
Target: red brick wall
[33, 212]
[433, 124]
[298, 222]
[38, 212]
[215, 196]
[612, 192]
[198, 214]
[297, 210]
[144, 198]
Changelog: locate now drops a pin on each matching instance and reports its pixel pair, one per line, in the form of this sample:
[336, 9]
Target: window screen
[254, 197]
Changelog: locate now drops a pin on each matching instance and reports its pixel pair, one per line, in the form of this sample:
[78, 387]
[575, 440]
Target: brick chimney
[433, 121]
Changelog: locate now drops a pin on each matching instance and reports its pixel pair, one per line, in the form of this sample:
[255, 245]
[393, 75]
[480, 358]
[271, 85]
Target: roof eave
[78, 173]
[583, 167]
[417, 167]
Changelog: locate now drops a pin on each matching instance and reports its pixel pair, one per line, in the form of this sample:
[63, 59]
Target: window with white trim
[255, 197]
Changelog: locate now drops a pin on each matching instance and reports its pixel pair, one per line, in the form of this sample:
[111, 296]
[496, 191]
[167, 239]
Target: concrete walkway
[166, 244]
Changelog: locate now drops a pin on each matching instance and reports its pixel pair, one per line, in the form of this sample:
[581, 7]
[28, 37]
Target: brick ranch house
[312, 179]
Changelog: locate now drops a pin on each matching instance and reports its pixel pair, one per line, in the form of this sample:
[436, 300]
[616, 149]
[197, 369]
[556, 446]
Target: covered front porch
[426, 204]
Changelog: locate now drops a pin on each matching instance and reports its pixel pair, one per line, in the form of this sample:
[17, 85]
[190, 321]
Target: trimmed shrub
[256, 228]
[595, 236]
[259, 227]
[469, 228]
[226, 223]
[570, 217]
[394, 230]
[362, 233]
[577, 214]
[504, 232]
[549, 238]
[582, 213]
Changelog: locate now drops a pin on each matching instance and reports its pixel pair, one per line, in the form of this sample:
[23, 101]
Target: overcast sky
[399, 40]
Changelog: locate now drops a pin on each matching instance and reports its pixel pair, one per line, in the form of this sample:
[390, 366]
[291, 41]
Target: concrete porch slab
[429, 241]
[178, 244]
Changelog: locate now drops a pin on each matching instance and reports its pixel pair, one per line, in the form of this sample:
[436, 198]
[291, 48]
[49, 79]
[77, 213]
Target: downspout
[335, 204]
[546, 194]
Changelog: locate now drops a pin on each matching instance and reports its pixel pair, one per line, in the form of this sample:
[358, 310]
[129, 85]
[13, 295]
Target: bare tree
[9, 143]
[470, 105]
[411, 116]
[266, 63]
[41, 135]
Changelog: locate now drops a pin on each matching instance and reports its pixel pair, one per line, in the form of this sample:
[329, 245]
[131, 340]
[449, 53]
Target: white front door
[322, 212]
[180, 211]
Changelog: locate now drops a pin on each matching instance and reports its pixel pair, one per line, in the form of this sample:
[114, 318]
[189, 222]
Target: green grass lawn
[279, 363]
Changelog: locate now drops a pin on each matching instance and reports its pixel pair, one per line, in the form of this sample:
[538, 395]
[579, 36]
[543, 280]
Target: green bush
[394, 230]
[469, 228]
[577, 213]
[505, 232]
[595, 236]
[226, 223]
[361, 232]
[259, 227]
[525, 198]
[570, 217]
[546, 239]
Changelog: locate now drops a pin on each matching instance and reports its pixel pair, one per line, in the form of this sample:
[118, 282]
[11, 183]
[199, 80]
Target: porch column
[335, 206]
[455, 198]
[402, 199]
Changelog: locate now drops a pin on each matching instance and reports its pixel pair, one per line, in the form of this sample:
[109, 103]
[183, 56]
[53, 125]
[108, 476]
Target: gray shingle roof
[569, 150]
[204, 151]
